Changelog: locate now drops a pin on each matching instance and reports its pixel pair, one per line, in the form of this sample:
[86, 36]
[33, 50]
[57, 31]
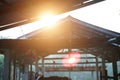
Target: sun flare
[48, 19]
[71, 60]
[46, 16]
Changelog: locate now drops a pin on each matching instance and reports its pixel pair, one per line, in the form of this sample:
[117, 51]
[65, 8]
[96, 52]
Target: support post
[36, 65]
[97, 71]
[30, 72]
[115, 71]
[100, 74]
[104, 71]
[19, 73]
[14, 69]
[43, 66]
[7, 62]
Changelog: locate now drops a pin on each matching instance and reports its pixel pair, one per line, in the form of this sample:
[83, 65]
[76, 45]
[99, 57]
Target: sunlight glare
[48, 19]
[46, 16]
[71, 60]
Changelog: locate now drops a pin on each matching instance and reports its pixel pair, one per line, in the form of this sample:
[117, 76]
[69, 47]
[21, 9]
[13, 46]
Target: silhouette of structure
[68, 35]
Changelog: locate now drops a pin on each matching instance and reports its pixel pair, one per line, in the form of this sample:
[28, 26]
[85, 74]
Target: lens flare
[71, 59]
[47, 16]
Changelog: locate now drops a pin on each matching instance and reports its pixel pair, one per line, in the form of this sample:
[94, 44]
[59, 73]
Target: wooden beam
[48, 43]
[63, 69]
[62, 58]
[77, 63]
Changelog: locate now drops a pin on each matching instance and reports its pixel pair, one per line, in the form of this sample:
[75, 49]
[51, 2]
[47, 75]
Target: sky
[104, 14]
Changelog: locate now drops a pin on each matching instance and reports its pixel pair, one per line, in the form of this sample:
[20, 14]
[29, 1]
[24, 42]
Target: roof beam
[66, 63]
[63, 69]
[62, 58]
[48, 43]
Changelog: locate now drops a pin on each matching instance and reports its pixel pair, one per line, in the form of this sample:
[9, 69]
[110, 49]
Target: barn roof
[19, 12]
[83, 36]
[67, 33]
[78, 28]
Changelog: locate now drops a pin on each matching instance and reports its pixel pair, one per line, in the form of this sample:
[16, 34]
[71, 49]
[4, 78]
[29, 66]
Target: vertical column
[14, 69]
[97, 71]
[100, 74]
[27, 70]
[104, 72]
[36, 65]
[19, 72]
[30, 73]
[115, 71]
[6, 65]
[43, 66]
